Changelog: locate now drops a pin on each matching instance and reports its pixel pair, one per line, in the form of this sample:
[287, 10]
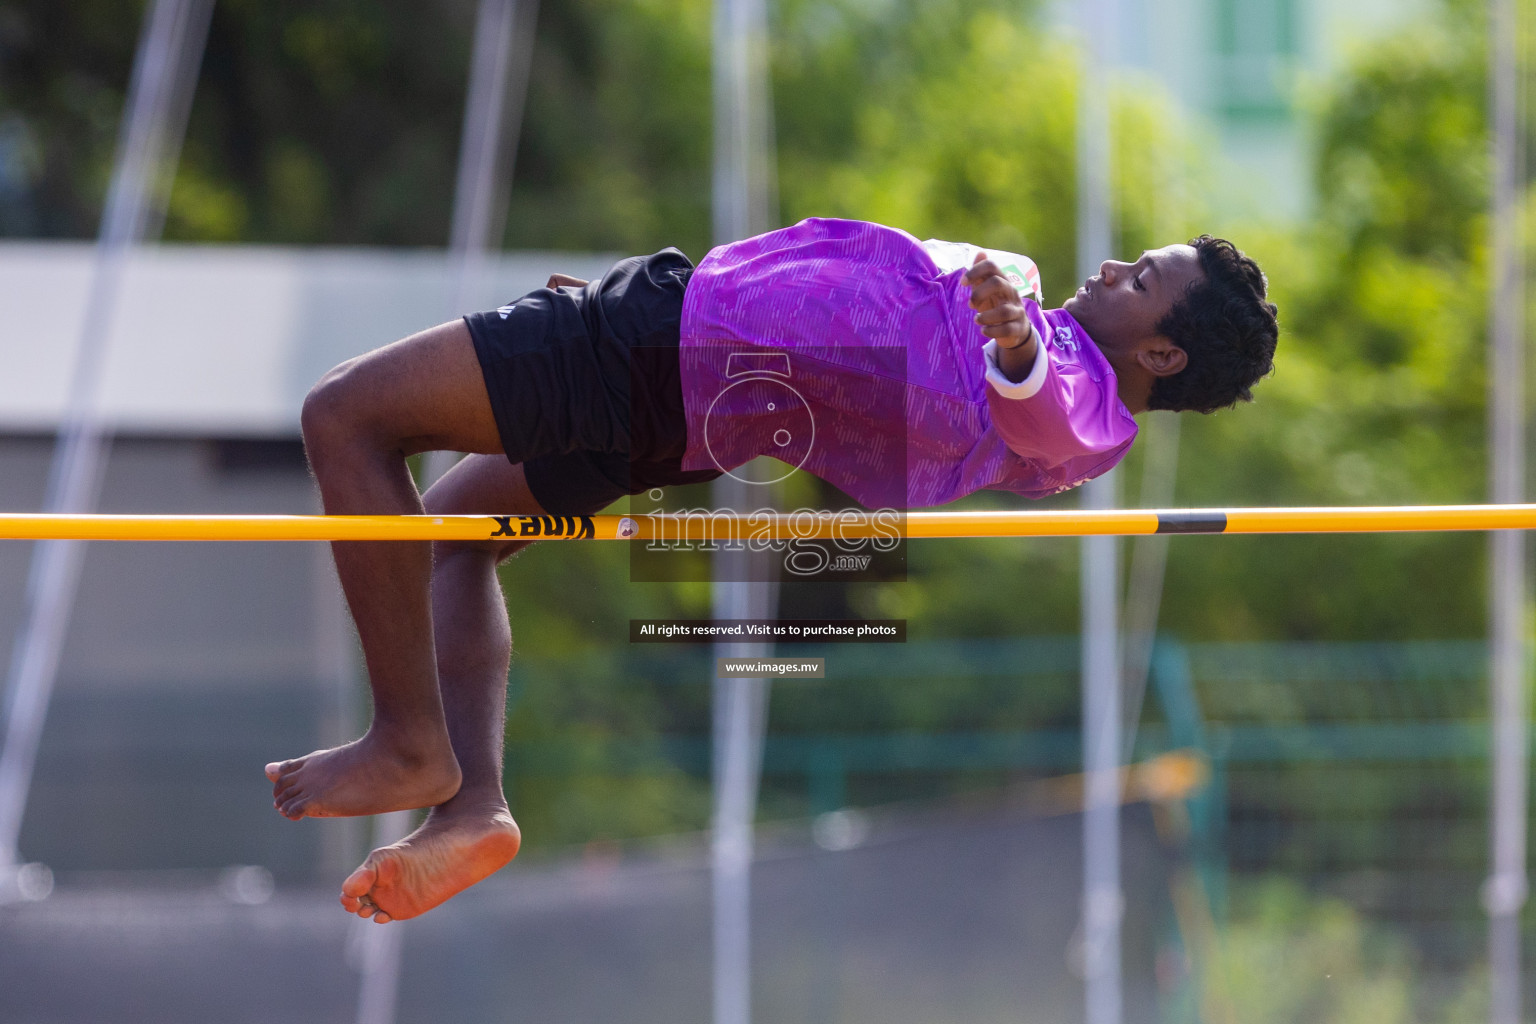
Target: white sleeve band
[948, 256]
[1026, 388]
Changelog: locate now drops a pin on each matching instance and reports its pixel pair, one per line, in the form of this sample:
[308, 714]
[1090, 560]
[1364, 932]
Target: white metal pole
[379, 947]
[170, 50]
[744, 194]
[743, 201]
[1159, 441]
[1504, 893]
[1149, 564]
[499, 65]
[498, 79]
[740, 722]
[493, 113]
[1102, 899]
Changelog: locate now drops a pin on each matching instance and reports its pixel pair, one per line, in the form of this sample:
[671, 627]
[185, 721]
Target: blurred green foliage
[1290, 958]
[332, 122]
[1287, 956]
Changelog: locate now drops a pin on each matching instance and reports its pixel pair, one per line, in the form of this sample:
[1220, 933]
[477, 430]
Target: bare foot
[448, 854]
[370, 775]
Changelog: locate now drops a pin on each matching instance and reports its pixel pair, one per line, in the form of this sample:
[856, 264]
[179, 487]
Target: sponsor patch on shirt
[1020, 271]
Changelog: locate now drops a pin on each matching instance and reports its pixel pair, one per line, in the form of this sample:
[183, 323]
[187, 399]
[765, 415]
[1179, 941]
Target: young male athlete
[925, 374]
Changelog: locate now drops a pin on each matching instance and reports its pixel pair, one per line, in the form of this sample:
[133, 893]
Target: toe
[279, 771]
[294, 808]
[358, 883]
[382, 918]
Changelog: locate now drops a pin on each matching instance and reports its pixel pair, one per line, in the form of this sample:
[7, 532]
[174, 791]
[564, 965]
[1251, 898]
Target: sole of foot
[433, 864]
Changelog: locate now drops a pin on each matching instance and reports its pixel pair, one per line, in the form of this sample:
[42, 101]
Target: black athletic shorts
[584, 384]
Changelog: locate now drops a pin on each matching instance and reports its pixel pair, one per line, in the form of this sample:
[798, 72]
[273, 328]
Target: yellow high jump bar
[806, 525]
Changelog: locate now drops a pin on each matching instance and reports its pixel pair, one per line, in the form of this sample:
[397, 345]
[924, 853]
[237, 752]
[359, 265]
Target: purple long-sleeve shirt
[847, 350]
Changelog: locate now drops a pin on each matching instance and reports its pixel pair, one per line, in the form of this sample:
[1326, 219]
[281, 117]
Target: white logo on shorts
[506, 310]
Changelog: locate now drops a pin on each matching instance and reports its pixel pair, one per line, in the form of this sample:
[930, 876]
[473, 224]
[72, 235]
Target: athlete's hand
[999, 310]
[564, 281]
[1000, 315]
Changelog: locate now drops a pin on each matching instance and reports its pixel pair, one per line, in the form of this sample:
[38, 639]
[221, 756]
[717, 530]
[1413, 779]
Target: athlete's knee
[449, 551]
[486, 553]
[332, 413]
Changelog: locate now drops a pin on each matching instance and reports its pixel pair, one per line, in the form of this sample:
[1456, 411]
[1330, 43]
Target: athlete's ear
[1162, 358]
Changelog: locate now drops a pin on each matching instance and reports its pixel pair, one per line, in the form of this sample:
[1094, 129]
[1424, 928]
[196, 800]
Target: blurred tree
[958, 121]
[337, 121]
[615, 151]
[63, 71]
[312, 122]
[1288, 958]
[1378, 395]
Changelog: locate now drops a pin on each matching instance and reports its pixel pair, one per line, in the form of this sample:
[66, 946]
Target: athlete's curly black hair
[1227, 329]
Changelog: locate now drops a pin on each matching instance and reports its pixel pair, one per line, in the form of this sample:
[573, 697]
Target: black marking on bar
[1191, 522]
[570, 527]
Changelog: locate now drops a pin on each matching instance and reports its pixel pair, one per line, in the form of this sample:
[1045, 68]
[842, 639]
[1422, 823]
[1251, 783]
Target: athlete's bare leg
[360, 423]
[472, 835]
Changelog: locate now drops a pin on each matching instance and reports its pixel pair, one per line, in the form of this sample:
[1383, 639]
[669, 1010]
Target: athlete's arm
[564, 281]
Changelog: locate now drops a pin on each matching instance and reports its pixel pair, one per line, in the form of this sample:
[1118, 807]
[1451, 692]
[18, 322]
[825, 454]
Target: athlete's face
[1122, 306]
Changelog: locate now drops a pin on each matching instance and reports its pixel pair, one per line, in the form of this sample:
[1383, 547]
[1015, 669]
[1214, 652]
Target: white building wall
[1177, 45]
[224, 341]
